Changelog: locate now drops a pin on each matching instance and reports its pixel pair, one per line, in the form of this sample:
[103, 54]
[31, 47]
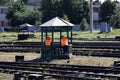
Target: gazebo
[59, 25]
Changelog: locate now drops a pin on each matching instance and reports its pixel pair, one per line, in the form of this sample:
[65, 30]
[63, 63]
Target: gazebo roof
[57, 21]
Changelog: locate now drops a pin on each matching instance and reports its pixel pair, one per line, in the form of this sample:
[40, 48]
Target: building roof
[24, 26]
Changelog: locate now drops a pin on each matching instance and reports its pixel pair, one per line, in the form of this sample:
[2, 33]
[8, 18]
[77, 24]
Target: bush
[83, 25]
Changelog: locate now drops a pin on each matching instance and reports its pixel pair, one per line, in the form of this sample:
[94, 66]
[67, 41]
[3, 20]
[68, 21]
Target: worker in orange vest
[64, 44]
[48, 44]
[48, 41]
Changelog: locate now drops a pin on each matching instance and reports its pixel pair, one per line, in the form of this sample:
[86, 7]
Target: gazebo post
[46, 34]
[60, 36]
[52, 36]
[71, 37]
[68, 35]
[42, 37]
[52, 47]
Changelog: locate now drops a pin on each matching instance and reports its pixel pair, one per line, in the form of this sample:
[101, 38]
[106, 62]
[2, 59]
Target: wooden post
[17, 76]
[19, 58]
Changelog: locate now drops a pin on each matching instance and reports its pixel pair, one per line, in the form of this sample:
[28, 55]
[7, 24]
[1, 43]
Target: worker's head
[48, 37]
[63, 36]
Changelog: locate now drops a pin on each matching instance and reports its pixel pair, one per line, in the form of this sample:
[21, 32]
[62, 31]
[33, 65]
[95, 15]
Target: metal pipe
[91, 16]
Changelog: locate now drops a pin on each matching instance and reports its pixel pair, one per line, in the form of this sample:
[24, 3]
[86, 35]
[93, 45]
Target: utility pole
[91, 16]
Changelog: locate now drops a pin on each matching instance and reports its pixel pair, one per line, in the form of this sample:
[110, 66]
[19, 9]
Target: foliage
[25, 1]
[75, 10]
[96, 2]
[6, 2]
[38, 17]
[29, 16]
[115, 20]
[83, 25]
[65, 17]
[19, 14]
[18, 6]
[107, 9]
[3, 2]
[50, 9]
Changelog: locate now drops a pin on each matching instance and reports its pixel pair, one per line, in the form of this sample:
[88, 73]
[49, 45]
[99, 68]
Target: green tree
[25, 1]
[18, 6]
[65, 17]
[67, 9]
[46, 10]
[6, 2]
[83, 25]
[50, 9]
[19, 14]
[115, 20]
[107, 9]
[76, 10]
[96, 2]
[3, 2]
[29, 16]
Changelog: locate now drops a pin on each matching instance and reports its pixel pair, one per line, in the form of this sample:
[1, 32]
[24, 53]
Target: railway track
[62, 70]
[89, 45]
[93, 48]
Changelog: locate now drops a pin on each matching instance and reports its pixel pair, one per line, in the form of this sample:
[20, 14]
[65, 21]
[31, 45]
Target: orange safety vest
[64, 41]
[48, 42]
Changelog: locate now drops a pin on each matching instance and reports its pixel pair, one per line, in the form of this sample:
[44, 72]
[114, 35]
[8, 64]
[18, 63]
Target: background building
[3, 20]
[96, 7]
[33, 2]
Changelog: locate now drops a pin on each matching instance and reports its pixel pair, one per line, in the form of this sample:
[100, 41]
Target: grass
[8, 34]
[12, 36]
[87, 34]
